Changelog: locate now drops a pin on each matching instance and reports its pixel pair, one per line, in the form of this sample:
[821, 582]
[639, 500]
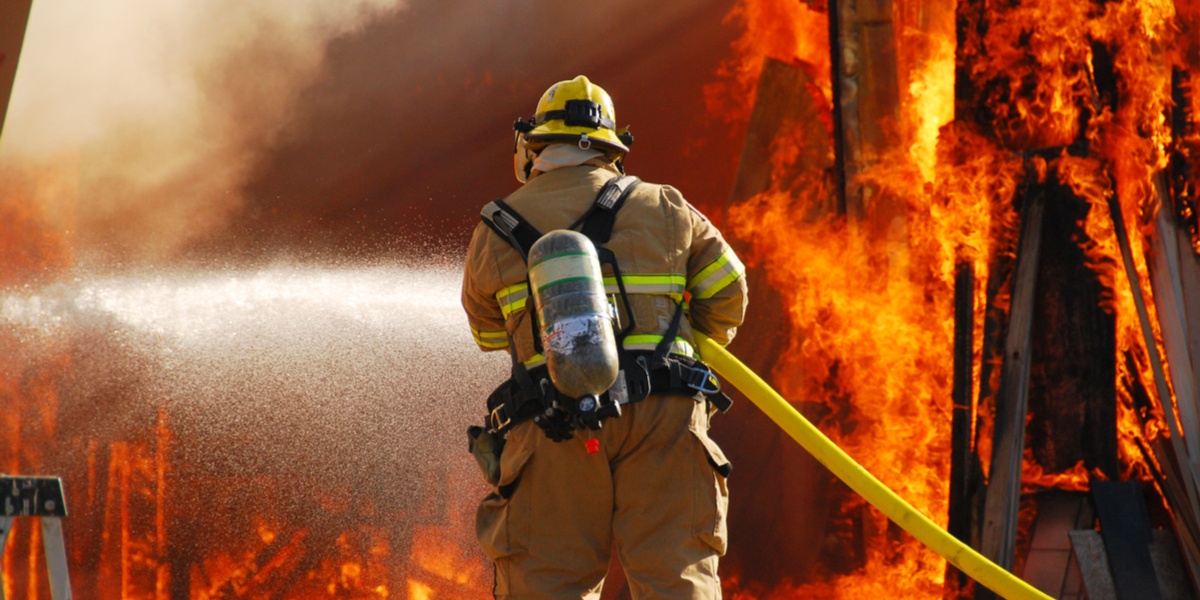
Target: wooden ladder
[40, 497]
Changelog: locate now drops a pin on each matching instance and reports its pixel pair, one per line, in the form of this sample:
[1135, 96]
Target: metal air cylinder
[575, 316]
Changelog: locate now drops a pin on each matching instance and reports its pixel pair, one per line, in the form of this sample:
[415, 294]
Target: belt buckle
[493, 419]
[705, 380]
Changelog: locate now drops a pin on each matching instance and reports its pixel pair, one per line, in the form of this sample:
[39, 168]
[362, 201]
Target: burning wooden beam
[963, 460]
[788, 109]
[962, 453]
[1175, 255]
[1166, 279]
[1179, 467]
[1004, 483]
[866, 93]
[1160, 379]
[965, 470]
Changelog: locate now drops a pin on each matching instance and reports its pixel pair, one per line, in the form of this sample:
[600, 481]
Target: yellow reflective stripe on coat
[490, 339]
[645, 342]
[648, 342]
[512, 298]
[670, 284]
[716, 276]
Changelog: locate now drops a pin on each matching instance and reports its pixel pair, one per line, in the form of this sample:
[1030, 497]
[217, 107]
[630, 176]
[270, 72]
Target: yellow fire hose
[970, 562]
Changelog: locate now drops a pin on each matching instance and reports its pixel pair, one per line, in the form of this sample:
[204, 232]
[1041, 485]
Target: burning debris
[971, 313]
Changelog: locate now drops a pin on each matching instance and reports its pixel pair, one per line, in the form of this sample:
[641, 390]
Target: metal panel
[1125, 527]
[1093, 564]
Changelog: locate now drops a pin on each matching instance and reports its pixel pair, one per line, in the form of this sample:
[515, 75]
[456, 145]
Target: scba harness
[530, 393]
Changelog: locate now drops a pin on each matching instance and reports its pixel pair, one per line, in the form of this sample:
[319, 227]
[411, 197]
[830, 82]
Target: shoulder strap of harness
[510, 225]
[597, 223]
[598, 220]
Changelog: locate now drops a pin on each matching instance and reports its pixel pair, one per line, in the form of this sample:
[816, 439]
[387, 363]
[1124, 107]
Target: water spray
[319, 401]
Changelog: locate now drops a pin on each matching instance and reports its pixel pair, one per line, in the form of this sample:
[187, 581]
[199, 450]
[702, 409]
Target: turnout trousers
[655, 487]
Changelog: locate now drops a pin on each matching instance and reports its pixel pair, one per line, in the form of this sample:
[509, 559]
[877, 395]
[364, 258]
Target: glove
[486, 447]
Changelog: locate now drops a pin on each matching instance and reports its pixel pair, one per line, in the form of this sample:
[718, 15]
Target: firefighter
[641, 476]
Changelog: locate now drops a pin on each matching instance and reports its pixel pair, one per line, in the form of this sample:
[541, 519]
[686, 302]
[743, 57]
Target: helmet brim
[604, 138]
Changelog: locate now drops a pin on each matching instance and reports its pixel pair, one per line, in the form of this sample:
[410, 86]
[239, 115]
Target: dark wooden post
[962, 450]
[962, 454]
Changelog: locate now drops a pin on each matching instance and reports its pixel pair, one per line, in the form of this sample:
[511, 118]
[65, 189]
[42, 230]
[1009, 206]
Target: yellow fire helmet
[575, 110]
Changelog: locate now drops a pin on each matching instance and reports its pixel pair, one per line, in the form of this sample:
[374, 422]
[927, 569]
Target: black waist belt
[510, 404]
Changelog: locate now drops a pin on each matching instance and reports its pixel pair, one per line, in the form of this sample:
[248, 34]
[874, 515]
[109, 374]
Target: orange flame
[873, 318]
[34, 246]
[785, 30]
[1075, 479]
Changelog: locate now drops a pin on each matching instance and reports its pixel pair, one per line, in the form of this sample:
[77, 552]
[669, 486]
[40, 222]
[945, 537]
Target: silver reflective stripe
[500, 218]
[716, 276]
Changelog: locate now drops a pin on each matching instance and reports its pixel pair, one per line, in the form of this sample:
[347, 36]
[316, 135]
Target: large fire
[1077, 93]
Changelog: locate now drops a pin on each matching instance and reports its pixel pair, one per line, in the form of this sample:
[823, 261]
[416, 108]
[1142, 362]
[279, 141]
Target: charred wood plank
[1189, 264]
[1004, 483]
[1072, 379]
[1178, 195]
[1166, 280]
[1186, 464]
[963, 463]
[1172, 480]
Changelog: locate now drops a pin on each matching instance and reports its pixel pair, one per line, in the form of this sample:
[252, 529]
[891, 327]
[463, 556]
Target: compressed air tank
[575, 317]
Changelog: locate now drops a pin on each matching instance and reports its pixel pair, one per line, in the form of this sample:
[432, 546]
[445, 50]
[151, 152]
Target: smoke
[155, 112]
[156, 132]
[409, 131]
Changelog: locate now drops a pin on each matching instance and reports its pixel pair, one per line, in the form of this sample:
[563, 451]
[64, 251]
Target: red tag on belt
[593, 445]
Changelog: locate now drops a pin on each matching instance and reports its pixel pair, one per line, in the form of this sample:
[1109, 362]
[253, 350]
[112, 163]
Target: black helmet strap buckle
[577, 113]
[524, 125]
[583, 113]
